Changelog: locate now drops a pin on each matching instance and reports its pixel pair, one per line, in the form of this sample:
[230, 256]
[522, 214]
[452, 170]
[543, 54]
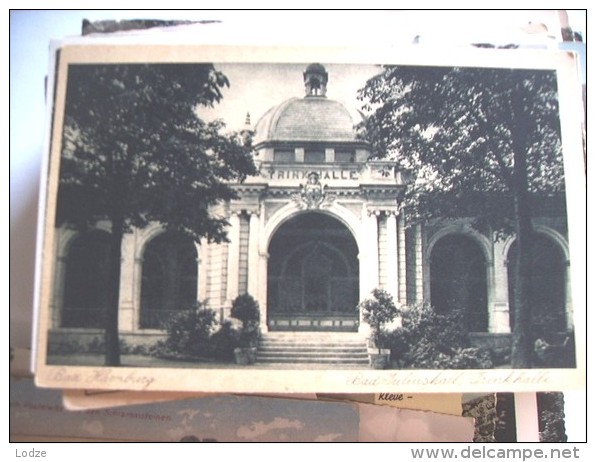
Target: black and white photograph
[219, 219]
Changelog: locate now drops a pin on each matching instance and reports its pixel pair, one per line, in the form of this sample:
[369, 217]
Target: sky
[254, 88]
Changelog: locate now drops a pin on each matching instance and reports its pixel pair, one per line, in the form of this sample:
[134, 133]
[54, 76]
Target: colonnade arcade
[308, 269]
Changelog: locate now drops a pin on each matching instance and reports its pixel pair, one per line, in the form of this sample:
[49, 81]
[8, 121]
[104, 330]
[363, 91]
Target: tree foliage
[456, 130]
[134, 146]
[135, 151]
[480, 143]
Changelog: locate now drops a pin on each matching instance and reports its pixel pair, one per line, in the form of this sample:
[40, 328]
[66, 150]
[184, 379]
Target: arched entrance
[169, 279]
[86, 282]
[458, 280]
[547, 285]
[313, 275]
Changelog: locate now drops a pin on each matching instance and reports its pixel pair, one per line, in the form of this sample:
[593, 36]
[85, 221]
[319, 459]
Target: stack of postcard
[257, 243]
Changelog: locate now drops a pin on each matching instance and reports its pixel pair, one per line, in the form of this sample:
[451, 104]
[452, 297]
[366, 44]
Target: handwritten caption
[451, 379]
[104, 377]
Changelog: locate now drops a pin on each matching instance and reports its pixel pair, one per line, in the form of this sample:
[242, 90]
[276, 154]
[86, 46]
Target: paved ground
[149, 361]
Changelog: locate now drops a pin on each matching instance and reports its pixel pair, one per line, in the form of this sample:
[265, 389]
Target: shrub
[556, 351]
[377, 311]
[195, 334]
[189, 332]
[246, 309]
[65, 347]
[223, 342]
[429, 340]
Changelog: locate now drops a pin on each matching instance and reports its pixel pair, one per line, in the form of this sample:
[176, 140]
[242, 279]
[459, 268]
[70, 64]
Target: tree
[478, 142]
[135, 151]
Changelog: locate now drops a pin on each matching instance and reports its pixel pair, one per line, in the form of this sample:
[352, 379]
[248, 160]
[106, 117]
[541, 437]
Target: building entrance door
[313, 276]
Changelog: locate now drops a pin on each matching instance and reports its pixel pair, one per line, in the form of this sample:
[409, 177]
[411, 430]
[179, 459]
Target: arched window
[169, 282]
[458, 280]
[547, 285]
[86, 283]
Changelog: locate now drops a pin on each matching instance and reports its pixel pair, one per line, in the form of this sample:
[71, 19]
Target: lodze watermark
[30, 453]
[483, 452]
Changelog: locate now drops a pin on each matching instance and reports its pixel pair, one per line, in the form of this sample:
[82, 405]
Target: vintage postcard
[444, 403]
[227, 418]
[312, 220]
[79, 400]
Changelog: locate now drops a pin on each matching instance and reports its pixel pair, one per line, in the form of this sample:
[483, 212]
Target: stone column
[392, 267]
[233, 258]
[419, 262]
[568, 298]
[138, 279]
[401, 242]
[329, 155]
[126, 319]
[58, 297]
[203, 270]
[253, 254]
[368, 261]
[215, 282]
[261, 295]
[369, 256]
[498, 291]
[64, 238]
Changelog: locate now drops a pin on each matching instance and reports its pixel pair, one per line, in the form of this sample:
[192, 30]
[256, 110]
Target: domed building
[313, 119]
[310, 214]
[310, 237]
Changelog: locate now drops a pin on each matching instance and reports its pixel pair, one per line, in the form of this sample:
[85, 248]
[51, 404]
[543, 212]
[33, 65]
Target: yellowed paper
[383, 423]
[154, 376]
[77, 400]
[445, 403]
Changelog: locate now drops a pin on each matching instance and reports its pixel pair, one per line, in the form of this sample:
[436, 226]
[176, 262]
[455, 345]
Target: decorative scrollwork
[313, 194]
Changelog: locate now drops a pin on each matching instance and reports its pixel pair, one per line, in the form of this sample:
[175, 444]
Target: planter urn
[245, 356]
[379, 358]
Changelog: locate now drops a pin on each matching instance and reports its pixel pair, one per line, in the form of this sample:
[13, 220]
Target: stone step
[312, 348]
[312, 360]
[312, 339]
[325, 349]
[313, 344]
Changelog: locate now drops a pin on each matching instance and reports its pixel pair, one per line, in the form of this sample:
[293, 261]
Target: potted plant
[377, 311]
[246, 309]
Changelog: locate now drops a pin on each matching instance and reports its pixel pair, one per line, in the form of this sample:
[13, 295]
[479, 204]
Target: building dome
[314, 118]
[309, 119]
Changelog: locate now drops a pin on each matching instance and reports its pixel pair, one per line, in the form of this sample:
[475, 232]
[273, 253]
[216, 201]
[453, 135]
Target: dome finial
[315, 80]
